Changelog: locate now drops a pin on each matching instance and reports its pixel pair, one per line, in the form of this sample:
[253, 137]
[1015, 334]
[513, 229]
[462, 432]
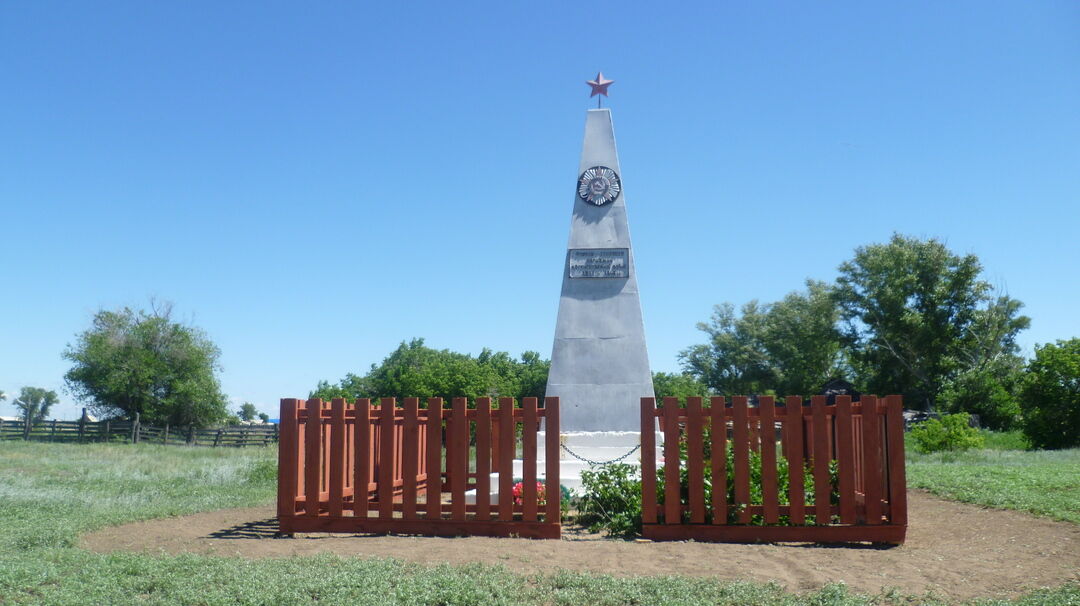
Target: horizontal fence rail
[736, 473]
[136, 432]
[360, 468]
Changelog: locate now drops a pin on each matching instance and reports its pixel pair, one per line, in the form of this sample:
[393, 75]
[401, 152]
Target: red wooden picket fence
[413, 467]
[861, 442]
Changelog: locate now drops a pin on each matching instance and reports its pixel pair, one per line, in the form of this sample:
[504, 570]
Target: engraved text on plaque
[599, 263]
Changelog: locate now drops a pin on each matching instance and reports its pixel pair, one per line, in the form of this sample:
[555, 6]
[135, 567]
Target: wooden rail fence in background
[358, 468]
[136, 432]
[852, 452]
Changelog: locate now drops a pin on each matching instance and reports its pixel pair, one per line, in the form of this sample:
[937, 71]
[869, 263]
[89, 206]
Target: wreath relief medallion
[599, 185]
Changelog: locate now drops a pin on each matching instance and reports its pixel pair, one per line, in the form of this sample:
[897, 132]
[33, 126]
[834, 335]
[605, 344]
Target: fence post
[165, 436]
[82, 426]
[217, 438]
[191, 435]
[135, 429]
[108, 431]
[26, 428]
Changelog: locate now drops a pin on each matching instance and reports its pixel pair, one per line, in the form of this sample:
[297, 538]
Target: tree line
[907, 316]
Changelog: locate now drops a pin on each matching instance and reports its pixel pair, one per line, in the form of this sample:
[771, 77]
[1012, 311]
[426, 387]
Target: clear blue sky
[313, 184]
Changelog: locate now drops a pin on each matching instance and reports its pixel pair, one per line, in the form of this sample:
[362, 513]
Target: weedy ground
[51, 493]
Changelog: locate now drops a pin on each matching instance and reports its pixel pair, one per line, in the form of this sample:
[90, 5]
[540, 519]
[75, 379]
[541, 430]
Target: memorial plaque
[599, 263]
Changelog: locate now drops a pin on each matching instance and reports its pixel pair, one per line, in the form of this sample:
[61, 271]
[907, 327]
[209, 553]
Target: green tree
[415, 370]
[247, 412]
[803, 341]
[735, 360]
[133, 361]
[34, 403]
[265, 418]
[792, 346]
[916, 315]
[678, 385]
[1050, 396]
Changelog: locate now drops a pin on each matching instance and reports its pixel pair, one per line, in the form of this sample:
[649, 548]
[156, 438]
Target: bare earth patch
[955, 550]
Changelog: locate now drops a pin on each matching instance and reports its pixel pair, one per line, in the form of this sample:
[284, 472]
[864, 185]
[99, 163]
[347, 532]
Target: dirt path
[954, 550]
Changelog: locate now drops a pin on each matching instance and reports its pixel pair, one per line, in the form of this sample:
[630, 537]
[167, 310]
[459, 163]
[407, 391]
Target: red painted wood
[767, 437]
[648, 460]
[672, 504]
[362, 465]
[793, 433]
[845, 458]
[741, 445]
[459, 445]
[552, 452]
[822, 486]
[439, 528]
[387, 408]
[528, 460]
[483, 459]
[718, 435]
[337, 456]
[872, 468]
[757, 534]
[312, 458]
[695, 463]
[894, 432]
[288, 450]
[434, 459]
[506, 454]
[410, 457]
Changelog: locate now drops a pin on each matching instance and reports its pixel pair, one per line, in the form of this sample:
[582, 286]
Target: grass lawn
[50, 493]
[1045, 483]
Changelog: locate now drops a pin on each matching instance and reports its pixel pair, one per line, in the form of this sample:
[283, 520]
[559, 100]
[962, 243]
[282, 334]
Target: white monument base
[594, 446]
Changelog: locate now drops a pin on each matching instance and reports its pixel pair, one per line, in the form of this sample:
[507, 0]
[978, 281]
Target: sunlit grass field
[1042, 482]
[51, 493]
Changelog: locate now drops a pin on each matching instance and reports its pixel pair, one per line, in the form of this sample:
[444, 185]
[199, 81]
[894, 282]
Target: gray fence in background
[135, 432]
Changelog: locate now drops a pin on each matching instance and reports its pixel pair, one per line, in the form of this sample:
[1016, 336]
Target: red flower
[519, 493]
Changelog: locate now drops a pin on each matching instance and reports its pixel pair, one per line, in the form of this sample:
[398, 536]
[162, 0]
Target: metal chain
[591, 462]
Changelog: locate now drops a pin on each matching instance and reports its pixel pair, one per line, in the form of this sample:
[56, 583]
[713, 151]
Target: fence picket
[719, 459]
[672, 506]
[741, 439]
[695, 464]
[458, 475]
[845, 459]
[337, 456]
[793, 426]
[894, 432]
[767, 436]
[822, 485]
[872, 462]
[288, 447]
[386, 457]
[433, 494]
[528, 460]
[362, 458]
[312, 462]
[648, 460]
[410, 458]
[507, 431]
[551, 460]
[483, 459]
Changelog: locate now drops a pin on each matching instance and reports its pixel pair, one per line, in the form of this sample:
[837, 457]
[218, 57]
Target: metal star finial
[599, 86]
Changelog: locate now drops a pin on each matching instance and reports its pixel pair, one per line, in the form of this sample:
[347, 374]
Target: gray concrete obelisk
[599, 364]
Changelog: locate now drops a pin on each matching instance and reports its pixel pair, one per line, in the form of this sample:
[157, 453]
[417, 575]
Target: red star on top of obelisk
[599, 86]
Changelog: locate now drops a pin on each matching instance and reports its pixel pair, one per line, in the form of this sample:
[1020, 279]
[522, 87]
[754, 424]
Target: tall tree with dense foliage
[789, 347]
[134, 361]
[1050, 396]
[34, 403]
[415, 370]
[916, 316]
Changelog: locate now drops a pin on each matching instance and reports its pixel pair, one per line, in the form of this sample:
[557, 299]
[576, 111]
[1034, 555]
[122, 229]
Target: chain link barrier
[591, 462]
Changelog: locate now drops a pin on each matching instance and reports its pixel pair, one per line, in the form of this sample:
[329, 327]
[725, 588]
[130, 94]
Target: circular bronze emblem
[599, 185]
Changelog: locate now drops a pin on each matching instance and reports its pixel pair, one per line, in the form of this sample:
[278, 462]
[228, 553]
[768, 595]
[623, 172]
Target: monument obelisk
[599, 363]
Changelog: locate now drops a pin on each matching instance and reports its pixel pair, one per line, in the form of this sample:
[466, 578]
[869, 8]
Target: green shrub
[611, 500]
[989, 392]
[1050, 397]
[950, 432]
